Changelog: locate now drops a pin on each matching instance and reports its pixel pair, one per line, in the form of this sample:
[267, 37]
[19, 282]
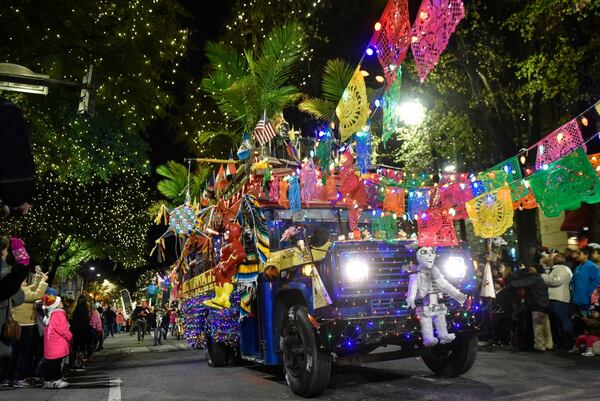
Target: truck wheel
[452, 359]
[215, 353]
[307, 369]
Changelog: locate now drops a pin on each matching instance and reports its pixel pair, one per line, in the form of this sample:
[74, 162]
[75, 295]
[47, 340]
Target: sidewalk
[123, 343]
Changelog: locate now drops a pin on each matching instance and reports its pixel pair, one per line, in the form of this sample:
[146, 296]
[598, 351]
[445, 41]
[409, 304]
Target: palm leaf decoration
[336, 75]
[245, 84]
[174, 186]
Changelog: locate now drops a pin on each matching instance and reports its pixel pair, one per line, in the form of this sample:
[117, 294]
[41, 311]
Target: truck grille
[385, 291]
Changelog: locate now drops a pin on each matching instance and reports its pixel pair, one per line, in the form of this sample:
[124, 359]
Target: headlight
[455, 267]
[356, 270]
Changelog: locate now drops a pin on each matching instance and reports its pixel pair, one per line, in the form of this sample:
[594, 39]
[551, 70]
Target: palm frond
[318, 108]
[336, 76]
[173, 186]
[284, 41]
[226, 59]
[156, 207]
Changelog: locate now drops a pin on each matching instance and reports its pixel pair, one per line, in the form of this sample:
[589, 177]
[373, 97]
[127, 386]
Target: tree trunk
[56, 261]
[527, 233]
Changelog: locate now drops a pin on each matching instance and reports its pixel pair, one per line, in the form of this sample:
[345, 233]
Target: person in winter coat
[585, 280]
[10, 296]
[57, 340]
[558, 279]
[97, 332]
[80, 327]
[592, 332]
[25, 315]
[538, 303]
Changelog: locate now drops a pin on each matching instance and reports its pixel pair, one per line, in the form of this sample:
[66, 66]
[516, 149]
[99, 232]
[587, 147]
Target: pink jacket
[57, 336]
[95, 321]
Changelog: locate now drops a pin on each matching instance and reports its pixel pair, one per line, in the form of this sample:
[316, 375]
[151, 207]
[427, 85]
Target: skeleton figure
[429, 284]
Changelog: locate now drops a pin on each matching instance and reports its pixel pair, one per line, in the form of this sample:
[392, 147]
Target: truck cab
[322, 299]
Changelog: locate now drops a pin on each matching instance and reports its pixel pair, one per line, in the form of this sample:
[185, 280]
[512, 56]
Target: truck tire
[452, 359]
[215, 353]
[307, 369]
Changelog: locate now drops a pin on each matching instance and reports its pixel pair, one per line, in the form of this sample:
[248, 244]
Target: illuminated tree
[92, 184]
[135, 49]
[72, 223]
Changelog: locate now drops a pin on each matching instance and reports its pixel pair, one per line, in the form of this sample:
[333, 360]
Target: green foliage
[134, 49]
[175, 184]
[513, 71]
[336, 75]
[244, 88]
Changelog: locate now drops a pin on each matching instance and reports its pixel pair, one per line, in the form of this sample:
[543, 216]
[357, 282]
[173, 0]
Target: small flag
[244, 151]
[291, 151]
[230, 170]
[264, 131]
[221, 181]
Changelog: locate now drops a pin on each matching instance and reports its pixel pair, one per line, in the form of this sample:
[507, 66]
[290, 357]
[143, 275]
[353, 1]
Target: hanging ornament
[391, 117]
[353, 108]
[501, 174]
[283, 193]
[372, 195]
[394, 201]
[363, 151]
[558, 144]
[436, 228]
[418, 200]
[385, 227]
[348, 179]
[274, 190]
[435, 23]
[308, 175]
[323, 154]
[294, 194]
[354, 213]
[526, 202]
[182, 220]
[331, 188]
[491, 213]
[565, 183]
[392, 39]
[455, 196]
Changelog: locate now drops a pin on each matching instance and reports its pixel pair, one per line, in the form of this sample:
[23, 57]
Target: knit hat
[51, 299]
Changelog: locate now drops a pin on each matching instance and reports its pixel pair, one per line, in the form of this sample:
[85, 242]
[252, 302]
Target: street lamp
[92, 268]
[449, 168]
[98, 275]
[17, 78]
[411, 112]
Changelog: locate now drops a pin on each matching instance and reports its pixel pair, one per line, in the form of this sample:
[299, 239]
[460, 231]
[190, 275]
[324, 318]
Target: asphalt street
[132, 371]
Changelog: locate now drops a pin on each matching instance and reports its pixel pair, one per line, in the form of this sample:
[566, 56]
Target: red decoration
[455, 196]
[435, 22]
[561, 142]
[274, 190]
[283, 193]
[394, 201]
[435, 228]
[353, 216]
[331, 188]
[392, 39]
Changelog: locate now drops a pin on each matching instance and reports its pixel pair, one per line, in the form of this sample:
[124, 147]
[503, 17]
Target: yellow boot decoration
[223, 300]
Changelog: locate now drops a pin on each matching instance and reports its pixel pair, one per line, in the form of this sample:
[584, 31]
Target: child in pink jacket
[57, 339]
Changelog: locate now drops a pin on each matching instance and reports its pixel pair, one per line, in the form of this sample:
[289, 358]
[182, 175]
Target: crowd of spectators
[41, 333]
[549, 305]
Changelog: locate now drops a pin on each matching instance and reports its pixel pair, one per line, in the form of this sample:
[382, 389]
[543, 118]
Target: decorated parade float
[298, 255]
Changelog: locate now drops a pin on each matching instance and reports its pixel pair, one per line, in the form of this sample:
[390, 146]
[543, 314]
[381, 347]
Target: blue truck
[321, 300]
